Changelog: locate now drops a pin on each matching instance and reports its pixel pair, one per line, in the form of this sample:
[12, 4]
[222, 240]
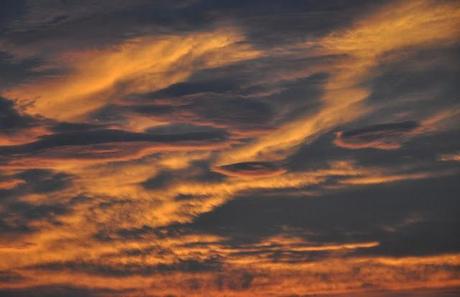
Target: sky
[229, 148]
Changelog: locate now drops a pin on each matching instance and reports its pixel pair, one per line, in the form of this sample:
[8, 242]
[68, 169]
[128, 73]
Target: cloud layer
[209, 148]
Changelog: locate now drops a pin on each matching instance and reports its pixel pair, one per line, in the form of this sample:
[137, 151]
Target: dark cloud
[59, 291]
[424, 147]
[57, 26]
[239, 112]
[11, 277]
[410, 218]
[114, 113]
[145, 232]
[160, 180]
[19, 217]
[10, 11]
[44, 181]
[211, 264]
[10, 119]
[251, 169]
[200, 172]
[432, 292]
[197, 87]
[237, 280]
[123, 211]
[381, 136]
[270, 23]
[17, 128]
[16, 71]
[422, 72]
[38, 181]
[48, 26]
[218, 109]
[91, 138]
[183, 129]
[75, 127]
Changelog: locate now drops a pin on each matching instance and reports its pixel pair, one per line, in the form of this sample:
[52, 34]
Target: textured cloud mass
[229, 148]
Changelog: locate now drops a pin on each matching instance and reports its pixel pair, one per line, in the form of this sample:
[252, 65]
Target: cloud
[17, 128]
[383, 136]
[98, 77]
[132, 269]
[450, 157]
[86, 144]
[187, 148]
[397, 223]
[362, 47]
[57, 291]
[36, 181]
[10, 277]
[9, 183]
[24, 211]
[252, 169]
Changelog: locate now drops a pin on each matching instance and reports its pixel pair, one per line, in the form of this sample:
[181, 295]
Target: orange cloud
[144, 64]
[9, 183]
[450, 157]
[109, 179]
[422, 23]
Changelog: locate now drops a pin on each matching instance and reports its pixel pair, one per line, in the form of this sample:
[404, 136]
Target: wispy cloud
[239, 149]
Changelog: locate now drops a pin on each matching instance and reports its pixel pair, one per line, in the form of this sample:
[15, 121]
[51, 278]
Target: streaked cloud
[363, 45]
[251, 169]
[382, 136]
[200, 148]
[97, 77]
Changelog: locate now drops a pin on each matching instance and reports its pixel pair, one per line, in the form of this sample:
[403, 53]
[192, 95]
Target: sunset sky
[229, 148]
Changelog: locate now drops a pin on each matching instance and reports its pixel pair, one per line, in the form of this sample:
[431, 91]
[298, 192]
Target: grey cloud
[66, 290]
[10, 10]
[183, 129]
[211, 264]
[107, 136]
[37, 181]
[236, 112]
[251, 169]
[377, 213]
[11, 277]
[198, 171]
[16, 71]
[380, 136]
[18, 217]
[10, 119]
